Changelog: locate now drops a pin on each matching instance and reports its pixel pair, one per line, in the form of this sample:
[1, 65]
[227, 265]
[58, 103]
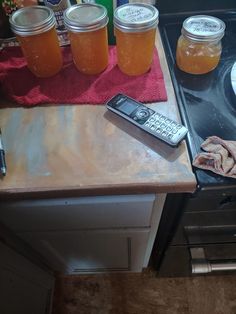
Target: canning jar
[199, 46]
[87, 29]
[135, 29]
[34, 27]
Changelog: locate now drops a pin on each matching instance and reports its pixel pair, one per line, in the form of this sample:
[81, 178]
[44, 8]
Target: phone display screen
[128, 107]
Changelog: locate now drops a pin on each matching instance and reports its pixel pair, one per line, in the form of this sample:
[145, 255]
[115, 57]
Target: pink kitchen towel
[219, 156]
[69, 86]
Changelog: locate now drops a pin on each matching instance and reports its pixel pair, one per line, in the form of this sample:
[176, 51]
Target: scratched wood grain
[86, 150]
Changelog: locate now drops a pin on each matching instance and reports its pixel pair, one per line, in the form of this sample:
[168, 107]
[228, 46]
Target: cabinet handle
[200, 265]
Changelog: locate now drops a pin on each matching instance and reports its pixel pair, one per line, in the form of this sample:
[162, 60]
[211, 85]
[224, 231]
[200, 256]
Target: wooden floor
[144, 294]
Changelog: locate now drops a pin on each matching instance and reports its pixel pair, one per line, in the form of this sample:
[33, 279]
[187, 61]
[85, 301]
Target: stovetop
[207, 103]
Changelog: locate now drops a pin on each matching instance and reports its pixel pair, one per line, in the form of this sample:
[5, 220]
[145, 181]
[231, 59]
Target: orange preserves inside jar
[42, 53]
[197, 57]
[135, 51]
[90, 50]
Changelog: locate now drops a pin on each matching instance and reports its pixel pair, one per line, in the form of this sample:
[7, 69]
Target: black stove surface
[206, 102]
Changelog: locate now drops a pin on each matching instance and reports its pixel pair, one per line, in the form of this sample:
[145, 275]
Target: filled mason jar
[87, 29]
[199, 46]
[34, 28]
[135, 30]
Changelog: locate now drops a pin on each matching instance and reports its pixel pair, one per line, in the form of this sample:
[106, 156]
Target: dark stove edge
[209, 182]
[179, 15]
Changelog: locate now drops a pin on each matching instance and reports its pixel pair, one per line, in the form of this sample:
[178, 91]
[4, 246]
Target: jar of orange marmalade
[34, 27]
[87, 29]
[135, 29]
[199, 47]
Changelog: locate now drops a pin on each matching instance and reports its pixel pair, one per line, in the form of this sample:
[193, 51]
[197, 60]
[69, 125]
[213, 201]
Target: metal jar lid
[203, 28]
[32, 20]
[85, 17]
[136, 17]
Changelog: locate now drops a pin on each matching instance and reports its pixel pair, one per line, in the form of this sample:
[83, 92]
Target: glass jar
[87, 29]
[135, 29]
[199, 47]
[34, 27]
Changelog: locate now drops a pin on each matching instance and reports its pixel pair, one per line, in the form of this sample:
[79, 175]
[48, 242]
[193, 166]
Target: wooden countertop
[73, 150]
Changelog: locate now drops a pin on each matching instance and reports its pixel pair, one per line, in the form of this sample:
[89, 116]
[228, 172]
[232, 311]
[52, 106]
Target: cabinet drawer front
[79, 213]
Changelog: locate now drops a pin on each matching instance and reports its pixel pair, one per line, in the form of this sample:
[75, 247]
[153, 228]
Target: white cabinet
[79, 213]
[89, 234]
[91, 251]
[24, 287]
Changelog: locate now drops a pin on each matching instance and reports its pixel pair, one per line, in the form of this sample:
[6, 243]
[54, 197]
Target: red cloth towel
[69, 86]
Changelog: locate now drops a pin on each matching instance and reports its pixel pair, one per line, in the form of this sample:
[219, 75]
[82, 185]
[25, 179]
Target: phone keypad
[163, 125]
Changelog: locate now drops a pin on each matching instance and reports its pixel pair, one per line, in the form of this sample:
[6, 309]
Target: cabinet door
[24, 287]
[93, 250]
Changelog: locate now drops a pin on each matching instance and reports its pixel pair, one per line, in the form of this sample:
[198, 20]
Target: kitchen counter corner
[85, 150]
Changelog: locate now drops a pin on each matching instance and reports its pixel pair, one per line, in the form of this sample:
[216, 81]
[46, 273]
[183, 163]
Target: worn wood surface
[84, 150]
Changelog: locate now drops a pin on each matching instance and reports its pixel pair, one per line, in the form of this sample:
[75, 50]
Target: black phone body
[147, 119]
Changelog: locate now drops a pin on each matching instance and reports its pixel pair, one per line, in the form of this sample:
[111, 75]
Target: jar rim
[136, 17]
[85, 17]
[32, 20]
[203, 28]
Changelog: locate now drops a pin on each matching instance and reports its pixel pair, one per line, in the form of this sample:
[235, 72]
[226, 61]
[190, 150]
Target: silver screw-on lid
[203, 28]
[85, 17]
[32, 20]
[136, 17]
